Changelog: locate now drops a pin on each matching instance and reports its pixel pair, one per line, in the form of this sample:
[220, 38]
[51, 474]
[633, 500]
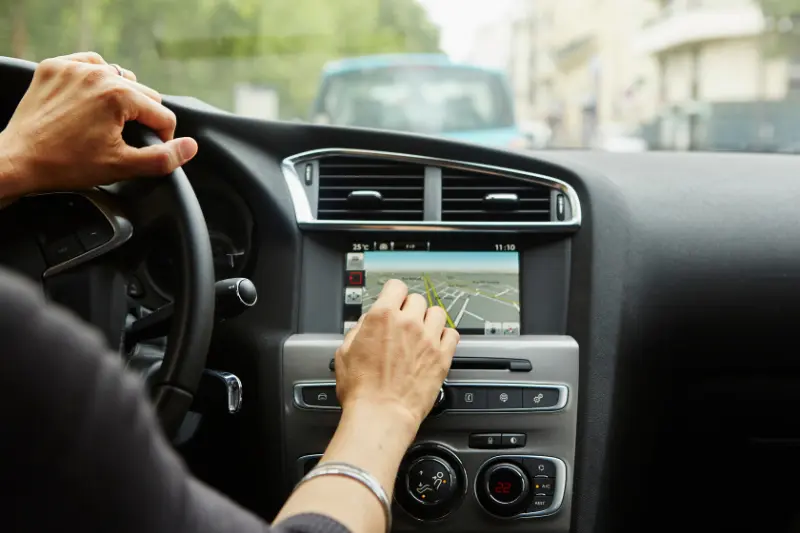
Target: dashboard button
[468, 397]
[504, 398]
[540, 503]
[540, 467]
[514, 440]
[63, 250]
[485, 440]
[539, 398]
[320, 396]
[544, 486]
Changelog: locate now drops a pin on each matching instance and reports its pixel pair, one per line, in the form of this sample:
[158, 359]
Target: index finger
[152, 114]
[144, 89]
[392, 295]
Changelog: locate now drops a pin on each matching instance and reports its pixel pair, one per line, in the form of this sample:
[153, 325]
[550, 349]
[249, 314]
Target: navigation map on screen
[478, 289]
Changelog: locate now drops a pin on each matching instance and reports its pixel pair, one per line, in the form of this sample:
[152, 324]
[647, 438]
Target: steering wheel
[173, 380]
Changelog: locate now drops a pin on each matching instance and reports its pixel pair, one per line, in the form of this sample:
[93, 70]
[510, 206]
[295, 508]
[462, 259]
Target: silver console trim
[305, 218]
[122, 227]
[558, 492]
[563, 395]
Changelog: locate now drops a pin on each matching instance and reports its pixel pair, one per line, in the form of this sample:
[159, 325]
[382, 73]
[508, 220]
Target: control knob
[503, 489]
[431, 482]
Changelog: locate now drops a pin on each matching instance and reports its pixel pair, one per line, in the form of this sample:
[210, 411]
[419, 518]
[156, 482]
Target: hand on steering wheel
[66, 133]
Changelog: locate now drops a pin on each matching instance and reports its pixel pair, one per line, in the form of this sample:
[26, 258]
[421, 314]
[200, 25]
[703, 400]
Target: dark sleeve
[80, 448]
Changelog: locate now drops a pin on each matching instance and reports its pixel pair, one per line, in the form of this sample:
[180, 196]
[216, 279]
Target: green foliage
[783, 26]
[204, 47]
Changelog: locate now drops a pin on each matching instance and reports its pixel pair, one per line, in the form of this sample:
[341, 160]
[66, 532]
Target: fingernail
[186, 149]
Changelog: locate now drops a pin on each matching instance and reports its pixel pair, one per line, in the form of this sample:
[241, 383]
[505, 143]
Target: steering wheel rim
[176, 380]
[174, 383]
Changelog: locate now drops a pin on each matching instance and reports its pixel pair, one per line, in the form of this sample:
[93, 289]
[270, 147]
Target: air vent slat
[399, 184]
[464, 198]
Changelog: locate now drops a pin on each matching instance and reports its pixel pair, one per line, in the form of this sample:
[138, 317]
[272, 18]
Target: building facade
[714, 60]
[583, 73]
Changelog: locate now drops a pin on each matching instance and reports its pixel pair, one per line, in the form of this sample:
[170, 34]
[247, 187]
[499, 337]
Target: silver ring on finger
[118, 68]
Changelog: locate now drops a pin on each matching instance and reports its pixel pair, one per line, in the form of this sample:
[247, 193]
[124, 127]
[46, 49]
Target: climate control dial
[506, 485]
[431, 482]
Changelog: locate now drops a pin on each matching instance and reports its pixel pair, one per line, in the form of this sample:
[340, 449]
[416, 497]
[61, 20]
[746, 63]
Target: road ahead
[470, 300]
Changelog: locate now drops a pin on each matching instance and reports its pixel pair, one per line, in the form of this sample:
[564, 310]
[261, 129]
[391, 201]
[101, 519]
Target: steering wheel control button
[135, 287]
[514, 440]
[543, 398]
[63, 250]
[95, 235]
[431, 481]
[319, 396]
[540, 467]
[501, 398]
[544, 486]
[487, 441]
[506, 484]
[468, 398]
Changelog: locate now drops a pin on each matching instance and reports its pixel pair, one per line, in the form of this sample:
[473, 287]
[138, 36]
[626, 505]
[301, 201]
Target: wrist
[374, 437]
[388, 416]
[11, 174]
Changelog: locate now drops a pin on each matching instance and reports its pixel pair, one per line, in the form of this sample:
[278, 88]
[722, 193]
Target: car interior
[651, 372]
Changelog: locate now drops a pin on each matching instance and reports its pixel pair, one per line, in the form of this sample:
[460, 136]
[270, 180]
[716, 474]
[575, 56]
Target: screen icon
[510, 328]
[355, 278]
[355, 261]
[493, 328]
[348, 326]
[353, 295]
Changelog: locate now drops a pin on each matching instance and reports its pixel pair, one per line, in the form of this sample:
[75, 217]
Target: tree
[204, 47]
[782, 22]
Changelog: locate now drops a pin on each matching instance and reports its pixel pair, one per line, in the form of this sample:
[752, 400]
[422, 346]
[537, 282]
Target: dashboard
[230, 228]
[628, 320]
[491, 246]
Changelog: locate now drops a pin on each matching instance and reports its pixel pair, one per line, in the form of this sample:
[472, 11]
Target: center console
[489, 245]
[498, 447]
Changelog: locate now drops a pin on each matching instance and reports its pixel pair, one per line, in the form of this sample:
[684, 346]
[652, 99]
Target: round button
[431, 481]
[506, 484]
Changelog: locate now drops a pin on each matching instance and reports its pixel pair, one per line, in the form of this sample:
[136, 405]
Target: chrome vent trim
[465, 196]
[304, 213]
[397, 187]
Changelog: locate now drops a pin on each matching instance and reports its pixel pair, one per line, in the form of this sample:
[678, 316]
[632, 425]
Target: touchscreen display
[479, 289]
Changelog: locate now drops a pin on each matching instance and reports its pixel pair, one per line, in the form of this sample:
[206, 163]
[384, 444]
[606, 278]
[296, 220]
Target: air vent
[469, 196]
[361, 188]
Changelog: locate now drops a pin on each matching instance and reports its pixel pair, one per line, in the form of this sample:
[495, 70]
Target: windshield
[613, 75]
[418, 99]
